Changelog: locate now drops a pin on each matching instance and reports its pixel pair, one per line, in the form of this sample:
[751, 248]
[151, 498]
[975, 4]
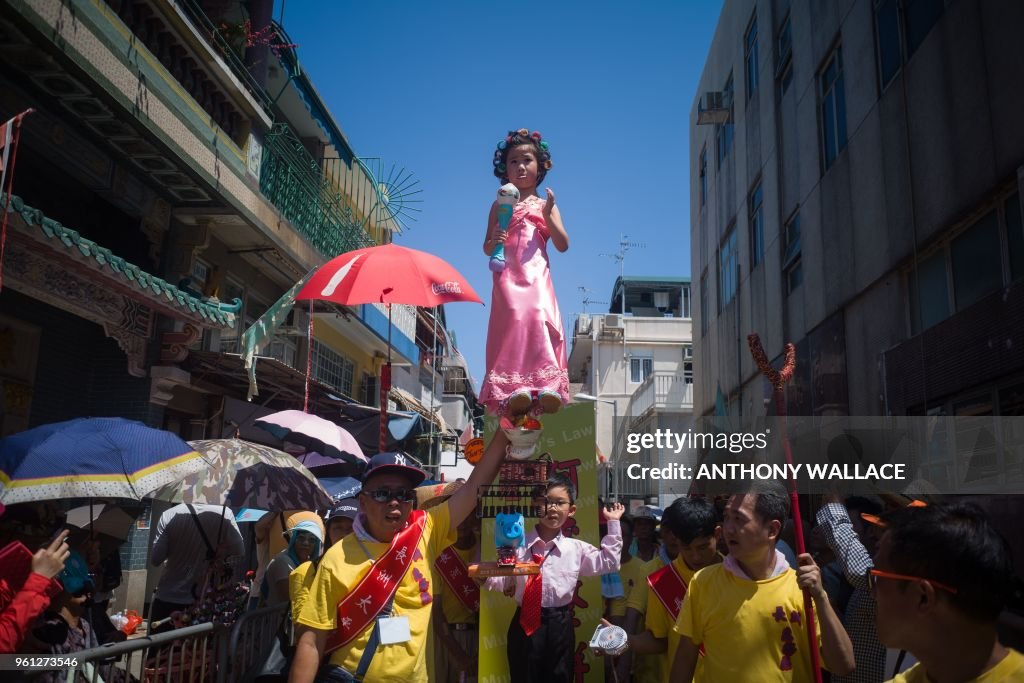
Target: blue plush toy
[509, 534]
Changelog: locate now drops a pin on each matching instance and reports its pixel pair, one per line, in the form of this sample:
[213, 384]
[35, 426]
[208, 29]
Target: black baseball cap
[346, 507]
[394, 463]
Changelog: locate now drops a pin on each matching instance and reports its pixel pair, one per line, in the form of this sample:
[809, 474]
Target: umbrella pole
[309, 357]
[385, 389]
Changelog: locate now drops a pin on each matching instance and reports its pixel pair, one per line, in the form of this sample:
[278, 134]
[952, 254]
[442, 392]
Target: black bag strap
[371, 645]
[899, 663]
[210, 552]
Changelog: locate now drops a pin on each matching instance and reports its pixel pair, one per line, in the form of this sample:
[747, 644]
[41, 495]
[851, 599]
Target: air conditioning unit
[714, 107]
[583, 323]
[613, 321]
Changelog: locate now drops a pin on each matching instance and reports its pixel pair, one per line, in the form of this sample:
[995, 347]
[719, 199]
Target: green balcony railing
[293, 182]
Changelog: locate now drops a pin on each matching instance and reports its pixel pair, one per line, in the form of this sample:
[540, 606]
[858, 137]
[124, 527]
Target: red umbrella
[387, 274]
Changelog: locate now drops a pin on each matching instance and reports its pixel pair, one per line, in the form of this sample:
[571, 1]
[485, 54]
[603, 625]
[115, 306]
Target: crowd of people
[379, 587]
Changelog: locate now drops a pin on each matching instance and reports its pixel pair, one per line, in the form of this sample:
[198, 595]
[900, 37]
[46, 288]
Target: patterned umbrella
[244, 474]
[95, 457]
[313, 432]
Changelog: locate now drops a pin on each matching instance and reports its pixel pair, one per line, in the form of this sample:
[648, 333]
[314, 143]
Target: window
[688, 363]
[370, 392]
[833, 108]
[792, 261]
[755, 219]
[640, 369]
[919, 16]
[750, 57]
[704, 308]
[887, 34]
[703, 176]
[977, 265]
[784, 52]
[900, 28]
[685, 301]
[331, 368]
[929, 288]
[1014, 235]
[724, 131]
[728, 269]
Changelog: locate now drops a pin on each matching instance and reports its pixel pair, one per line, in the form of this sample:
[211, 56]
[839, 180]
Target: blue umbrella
[341, 487]
[98, 457]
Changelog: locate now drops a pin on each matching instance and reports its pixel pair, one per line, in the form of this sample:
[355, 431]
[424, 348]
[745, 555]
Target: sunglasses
[388, 495]
[875, 574]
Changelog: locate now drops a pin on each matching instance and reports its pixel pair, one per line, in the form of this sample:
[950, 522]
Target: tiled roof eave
[156, 290]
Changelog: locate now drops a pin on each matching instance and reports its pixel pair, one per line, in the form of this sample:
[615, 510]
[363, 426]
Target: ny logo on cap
[400, 459]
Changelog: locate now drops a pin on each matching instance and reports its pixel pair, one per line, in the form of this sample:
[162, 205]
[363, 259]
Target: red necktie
[529, 613]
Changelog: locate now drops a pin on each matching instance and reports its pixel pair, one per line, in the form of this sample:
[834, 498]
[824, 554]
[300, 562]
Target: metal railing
[204, 653]
[662, 391]
[227, 53]
[292, 180]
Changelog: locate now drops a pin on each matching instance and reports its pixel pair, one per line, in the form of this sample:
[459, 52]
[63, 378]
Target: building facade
[180, 173]
[637, 360]
[856, 170]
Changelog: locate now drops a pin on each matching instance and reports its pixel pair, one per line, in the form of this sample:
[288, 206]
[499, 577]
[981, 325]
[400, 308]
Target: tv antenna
[585, 291]
[625, 244]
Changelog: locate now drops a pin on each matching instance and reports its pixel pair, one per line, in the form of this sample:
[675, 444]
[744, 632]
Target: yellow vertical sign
[569, 439]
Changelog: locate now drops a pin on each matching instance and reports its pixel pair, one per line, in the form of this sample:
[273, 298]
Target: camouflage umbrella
[244, 474]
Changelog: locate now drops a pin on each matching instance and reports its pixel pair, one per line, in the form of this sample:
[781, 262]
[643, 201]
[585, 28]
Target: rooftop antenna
[585, 291]
[625, 244]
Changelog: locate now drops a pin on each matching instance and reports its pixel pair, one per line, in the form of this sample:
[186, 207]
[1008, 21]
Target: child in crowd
[339, 520]
[526, 357]
[690, 526]
[541, 641]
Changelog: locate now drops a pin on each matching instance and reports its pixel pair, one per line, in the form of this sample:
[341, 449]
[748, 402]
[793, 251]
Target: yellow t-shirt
[659, 622]
[342, 568]
[455, 612]
[299, 583]
[633, 575]
[1009, 670]
[752, 631]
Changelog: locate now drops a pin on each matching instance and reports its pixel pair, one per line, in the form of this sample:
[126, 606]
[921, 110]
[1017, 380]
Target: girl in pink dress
[526, 357]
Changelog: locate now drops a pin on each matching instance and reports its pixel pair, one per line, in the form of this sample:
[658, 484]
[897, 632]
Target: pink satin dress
[525, 342]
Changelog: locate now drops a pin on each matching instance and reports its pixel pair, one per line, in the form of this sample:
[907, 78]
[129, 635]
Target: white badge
[394, 630]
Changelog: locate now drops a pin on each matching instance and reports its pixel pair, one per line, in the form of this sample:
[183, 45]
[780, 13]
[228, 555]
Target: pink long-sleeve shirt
[566, 559]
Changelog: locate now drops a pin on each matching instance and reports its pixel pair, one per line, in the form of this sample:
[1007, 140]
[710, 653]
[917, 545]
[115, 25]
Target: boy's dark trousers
[547, 655]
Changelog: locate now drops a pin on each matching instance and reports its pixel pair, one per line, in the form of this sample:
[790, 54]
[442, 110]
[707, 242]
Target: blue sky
[432, 87]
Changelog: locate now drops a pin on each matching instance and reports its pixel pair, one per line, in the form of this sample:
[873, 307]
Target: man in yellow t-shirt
[688, 527]
[942, 576]
[386, 503]
[748, 612]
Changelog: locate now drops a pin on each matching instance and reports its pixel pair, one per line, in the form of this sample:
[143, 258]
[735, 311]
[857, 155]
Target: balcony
[662, 392]
[295, 183]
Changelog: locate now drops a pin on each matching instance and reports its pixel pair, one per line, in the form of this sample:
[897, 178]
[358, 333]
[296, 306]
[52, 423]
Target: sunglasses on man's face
[875, 574]
[388, 495]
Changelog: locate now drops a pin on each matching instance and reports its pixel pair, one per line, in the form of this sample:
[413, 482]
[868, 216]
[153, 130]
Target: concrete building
[637, 360]
[855, 189]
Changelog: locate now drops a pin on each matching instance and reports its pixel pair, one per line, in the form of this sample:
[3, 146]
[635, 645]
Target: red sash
[669, 587]
[450, 565]
[366, 600]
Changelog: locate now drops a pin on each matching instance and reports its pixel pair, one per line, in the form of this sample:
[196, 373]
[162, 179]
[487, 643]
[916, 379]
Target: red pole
[778, 380]
[16, 122]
